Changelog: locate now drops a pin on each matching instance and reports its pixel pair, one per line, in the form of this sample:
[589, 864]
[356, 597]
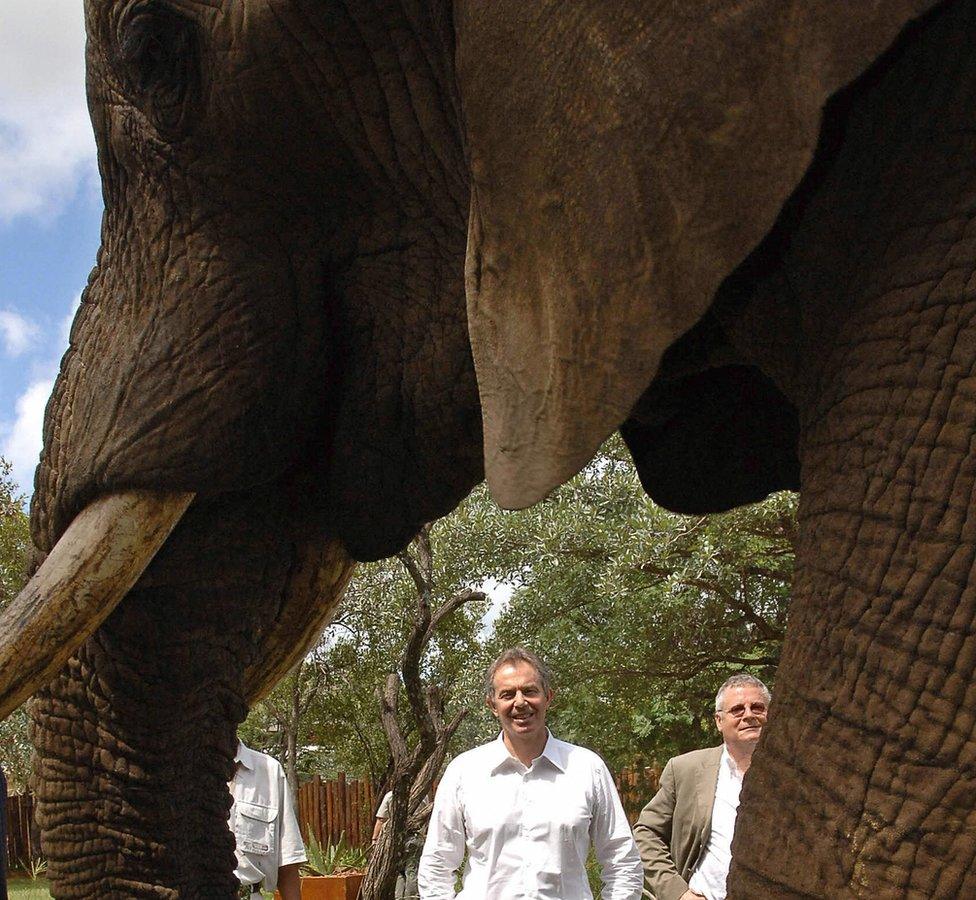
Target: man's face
[743, 715]
[519, 703]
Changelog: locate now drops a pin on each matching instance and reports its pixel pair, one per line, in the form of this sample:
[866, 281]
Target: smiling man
[527, 807]
[685, 832]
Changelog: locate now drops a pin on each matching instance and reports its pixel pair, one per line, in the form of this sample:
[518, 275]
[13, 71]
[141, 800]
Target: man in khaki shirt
[684, 834]
[262, 819]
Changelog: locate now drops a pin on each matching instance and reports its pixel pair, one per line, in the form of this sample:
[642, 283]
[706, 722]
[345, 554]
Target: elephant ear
[625, 157]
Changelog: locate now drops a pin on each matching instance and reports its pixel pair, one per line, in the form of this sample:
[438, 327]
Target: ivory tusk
[94, 565]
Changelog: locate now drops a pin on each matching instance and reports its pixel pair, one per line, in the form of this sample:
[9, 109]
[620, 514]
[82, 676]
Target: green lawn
[25, 889]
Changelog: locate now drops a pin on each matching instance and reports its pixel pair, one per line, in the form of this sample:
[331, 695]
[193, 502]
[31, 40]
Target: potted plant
[332, 873]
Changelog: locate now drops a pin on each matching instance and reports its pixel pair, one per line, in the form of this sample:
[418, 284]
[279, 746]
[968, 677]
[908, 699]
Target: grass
[28, 889]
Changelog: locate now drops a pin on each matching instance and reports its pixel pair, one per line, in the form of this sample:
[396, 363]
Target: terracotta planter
[330, 887]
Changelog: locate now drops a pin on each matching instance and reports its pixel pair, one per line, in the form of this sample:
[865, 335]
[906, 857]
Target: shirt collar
[554, 751]
[244, 756]
[729, 763]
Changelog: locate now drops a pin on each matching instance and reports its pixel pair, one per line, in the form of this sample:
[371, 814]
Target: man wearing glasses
[685, 833]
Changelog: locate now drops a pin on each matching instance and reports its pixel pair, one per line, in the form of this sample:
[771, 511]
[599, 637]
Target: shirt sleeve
[653, 835]
[384, 811]
[291, 848]
[444, 846]
[613, 843]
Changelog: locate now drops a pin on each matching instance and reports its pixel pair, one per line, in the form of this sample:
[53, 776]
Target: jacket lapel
[707, 782]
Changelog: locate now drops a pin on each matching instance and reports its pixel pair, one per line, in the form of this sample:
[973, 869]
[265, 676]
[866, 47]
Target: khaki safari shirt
[262, 819]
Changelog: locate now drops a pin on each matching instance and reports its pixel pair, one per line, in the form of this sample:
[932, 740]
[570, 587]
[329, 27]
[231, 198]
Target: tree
[279, 724]
[15, 542]
[416, 764]
[340, 728]
[15, 548]
[641, 613]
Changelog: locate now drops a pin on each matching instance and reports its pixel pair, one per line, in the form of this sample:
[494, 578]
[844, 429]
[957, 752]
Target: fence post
[341, 804]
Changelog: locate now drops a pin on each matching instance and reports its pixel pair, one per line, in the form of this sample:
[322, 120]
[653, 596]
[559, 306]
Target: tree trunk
[414, 769]
[863, 783]
[291, 739]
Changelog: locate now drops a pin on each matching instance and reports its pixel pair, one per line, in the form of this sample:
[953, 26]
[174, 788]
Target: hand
[691, 895]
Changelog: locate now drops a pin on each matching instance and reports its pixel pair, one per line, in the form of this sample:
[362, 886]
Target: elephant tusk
[94, 565]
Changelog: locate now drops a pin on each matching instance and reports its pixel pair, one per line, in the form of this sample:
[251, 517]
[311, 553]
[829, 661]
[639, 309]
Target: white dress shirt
[262, 819]
[527, 830]
[709, 878]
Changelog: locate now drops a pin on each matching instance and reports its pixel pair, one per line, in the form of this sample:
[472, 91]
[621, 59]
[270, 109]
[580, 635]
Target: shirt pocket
[255, 827]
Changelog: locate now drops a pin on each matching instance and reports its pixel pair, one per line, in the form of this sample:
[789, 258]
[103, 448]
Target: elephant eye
[158, 52]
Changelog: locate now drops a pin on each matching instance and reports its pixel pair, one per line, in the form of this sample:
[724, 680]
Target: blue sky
[50, 209]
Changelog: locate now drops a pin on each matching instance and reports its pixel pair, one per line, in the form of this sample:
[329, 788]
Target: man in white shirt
[262, 819]
[685, 832]
[527, 807]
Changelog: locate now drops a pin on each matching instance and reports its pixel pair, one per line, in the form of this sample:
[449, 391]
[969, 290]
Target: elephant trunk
[82, 580]
[135, 738]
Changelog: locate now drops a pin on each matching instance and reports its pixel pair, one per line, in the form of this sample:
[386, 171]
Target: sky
[50, 210]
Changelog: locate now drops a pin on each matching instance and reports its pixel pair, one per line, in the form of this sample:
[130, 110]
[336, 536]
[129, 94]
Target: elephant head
[355, 256]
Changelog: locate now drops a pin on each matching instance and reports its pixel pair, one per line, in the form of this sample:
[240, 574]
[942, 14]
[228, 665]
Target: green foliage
[594, 873]
[37, 868]
[340, 729]
[336, 859]
[14, 538]
[16, 750]
[641, 613]
[15, 545]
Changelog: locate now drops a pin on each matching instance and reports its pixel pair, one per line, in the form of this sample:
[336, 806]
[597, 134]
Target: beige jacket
[673, 829]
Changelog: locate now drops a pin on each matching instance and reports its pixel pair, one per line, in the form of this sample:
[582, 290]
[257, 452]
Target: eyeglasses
[739, 710]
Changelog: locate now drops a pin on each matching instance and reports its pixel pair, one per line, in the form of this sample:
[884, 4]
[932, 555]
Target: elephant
[358, 256]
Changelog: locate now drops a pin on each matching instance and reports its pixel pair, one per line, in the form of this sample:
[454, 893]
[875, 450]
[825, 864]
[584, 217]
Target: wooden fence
[327, 809]
[23, 839]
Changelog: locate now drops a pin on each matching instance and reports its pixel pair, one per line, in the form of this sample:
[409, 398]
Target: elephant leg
[864, 783]
[135, 739]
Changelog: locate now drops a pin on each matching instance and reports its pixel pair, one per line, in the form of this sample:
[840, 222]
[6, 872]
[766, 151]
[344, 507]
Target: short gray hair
[741, 680]
[512, 656]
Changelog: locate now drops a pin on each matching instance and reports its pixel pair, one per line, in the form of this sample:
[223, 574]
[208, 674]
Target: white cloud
[21, 440]
[46, 143]
[17, 334]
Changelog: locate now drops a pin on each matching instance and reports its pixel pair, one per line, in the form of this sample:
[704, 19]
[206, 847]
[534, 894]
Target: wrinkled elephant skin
[357, 256]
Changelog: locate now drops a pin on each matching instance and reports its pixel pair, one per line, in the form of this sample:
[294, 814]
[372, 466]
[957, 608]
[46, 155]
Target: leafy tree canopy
[640, 612]
[15, 544]
[340, 730]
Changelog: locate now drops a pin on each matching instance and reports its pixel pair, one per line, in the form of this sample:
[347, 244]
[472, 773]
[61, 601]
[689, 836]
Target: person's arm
[444, 846]
[382, 814]
[289, 882]
[613, 843]
[653, 836]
